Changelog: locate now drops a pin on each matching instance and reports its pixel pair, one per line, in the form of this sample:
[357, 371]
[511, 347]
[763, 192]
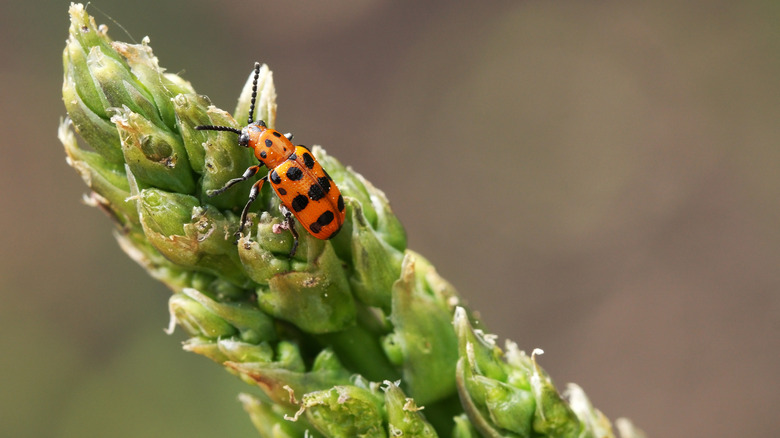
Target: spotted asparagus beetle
[304, 187]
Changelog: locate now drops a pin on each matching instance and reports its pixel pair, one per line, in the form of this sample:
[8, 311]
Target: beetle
[304, 187]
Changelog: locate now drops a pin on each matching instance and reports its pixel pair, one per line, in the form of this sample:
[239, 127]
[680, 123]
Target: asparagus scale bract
[356, 336]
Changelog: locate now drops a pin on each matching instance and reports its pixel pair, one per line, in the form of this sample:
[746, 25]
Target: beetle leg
[248, 173]
[252, 197]
[288, 218]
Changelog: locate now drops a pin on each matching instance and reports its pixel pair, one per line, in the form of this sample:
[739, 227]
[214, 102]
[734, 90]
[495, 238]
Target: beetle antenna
[218, 128]
[254, 94]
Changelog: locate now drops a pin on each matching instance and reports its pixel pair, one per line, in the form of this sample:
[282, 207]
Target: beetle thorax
[270, 146]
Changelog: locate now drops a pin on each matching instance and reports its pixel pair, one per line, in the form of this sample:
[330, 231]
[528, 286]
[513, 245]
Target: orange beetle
[305, 189]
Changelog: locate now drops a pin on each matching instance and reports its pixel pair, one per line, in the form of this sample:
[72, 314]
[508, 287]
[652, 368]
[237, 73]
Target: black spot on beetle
[263, 154]
[326, 218]
[308, 160]
[275, 177]
[325, 183]
[294, 173]
[281, 191]
[316, 193]
[276, 133]
[340, 203]
[269, 142]
[299, 203]
[323, 220]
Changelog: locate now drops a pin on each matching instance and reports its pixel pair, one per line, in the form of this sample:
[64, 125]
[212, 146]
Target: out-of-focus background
[599, 179]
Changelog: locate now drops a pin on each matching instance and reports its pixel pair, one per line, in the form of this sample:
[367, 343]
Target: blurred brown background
[600, 179]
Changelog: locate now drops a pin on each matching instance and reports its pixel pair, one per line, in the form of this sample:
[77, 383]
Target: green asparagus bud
[510, 408]
[99, 133]
[263, 257]
[237, 351]
[322, 305]
[512, 396]
[191, 111]
[83, 36]
[196, 319]
[224, 160]
[423, 333]
[86, 33]
[144, 66]
[377, 264]
[345, 411]
[315, 331]
[288, 356]
[404, 417]
[156, 156]
[271, 420]
[479, 376]
[283, 379]
[473, 399]
[387, 224]
[117, 87]
[521, 366]
[189, 234]
[464, 428]
[271, 371]
[107, 179]
[252, 324]
[203, 346]
[554, 416]
[494, 408]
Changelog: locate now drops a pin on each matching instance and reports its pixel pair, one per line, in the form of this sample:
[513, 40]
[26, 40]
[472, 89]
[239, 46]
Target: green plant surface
[354, 336]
